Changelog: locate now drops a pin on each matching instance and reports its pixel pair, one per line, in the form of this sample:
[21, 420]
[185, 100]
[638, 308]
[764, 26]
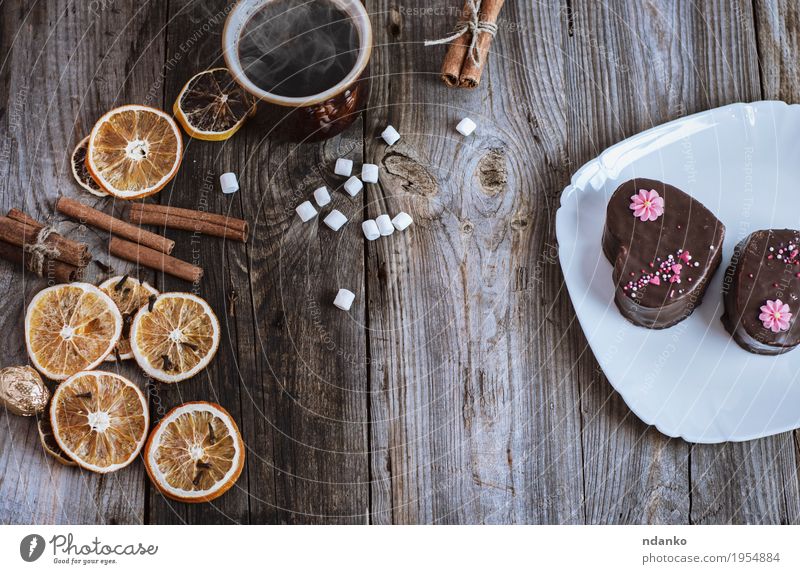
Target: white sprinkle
[344, 299]
[344, 167]
[384, 225]
[353, 186]
[401, 221]
[321, 196]
[772, 249]
[306, 211]
[711, 247]
[228, 183]
[370, 229]
[466, 126]
[369, 173]
[697, 264]
[390, 135]
[335, 220]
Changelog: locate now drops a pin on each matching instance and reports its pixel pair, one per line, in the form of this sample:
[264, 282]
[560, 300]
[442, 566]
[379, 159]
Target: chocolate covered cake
[761, 291]
[665, 246]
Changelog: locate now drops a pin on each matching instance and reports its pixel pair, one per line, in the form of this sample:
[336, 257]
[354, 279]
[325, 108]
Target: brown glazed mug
[308, 118]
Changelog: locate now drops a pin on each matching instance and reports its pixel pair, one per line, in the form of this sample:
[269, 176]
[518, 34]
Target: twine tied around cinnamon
[474, 25]
[40, 251]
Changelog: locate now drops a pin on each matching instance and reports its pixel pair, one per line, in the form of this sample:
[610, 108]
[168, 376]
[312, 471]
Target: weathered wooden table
[460, 388]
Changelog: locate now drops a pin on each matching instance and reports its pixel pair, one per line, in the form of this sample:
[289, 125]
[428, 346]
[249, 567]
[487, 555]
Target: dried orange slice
[70, 328]
[49, 444]
[80, 173]
[130, 295]
[100, 420]
[134, 151]
[175, 337]
[212, 106]
[196, 453]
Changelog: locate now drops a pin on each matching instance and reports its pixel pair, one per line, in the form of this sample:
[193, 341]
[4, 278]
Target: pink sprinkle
[685, 256]
[769, 256]
[655, 280]
[677, 268]
[690, 279]
[751, 275]
[674, 279]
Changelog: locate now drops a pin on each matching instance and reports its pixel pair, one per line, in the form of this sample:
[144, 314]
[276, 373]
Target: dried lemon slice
[70, 328]
[212, 106]
[175, 337]
[196, 453]
[99, 420]
[134, 151]
[130, 295]
[80, 173]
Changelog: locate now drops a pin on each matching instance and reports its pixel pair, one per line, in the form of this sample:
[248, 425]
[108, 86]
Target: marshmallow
[344, 299]
[401, 221]
[335, 220]
[369, 173]
[306, 211]
[384, 225]
[370, 229]
[353, 186]
[390, 135]
[228, 183]
[466, 126]
[343, 167]
[321, 196]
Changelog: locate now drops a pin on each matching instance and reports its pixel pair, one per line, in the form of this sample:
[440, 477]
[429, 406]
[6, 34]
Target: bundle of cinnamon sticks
[39, 249]
[462, 66]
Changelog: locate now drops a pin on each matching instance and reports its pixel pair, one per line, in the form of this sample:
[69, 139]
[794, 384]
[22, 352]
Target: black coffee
[298, 48]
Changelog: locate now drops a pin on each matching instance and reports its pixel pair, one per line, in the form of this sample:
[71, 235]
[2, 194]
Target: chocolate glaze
[756, 275]
[638, 249]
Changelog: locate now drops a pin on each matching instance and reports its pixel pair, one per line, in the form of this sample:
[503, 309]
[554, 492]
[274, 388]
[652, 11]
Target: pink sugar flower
[775, 316]
[647, 205]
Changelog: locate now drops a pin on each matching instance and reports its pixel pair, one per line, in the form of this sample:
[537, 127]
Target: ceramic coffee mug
[319, 115]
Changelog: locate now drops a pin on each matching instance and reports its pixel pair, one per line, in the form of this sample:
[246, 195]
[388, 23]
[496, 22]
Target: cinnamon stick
[95, 218]
[22, 235]
[470, 73]
[456, 53]
[56, 271]
[215, 218]
[190, 220]
[153, 259]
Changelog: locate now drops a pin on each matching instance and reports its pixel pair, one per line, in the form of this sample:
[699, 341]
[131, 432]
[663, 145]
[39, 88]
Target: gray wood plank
[300, 403]
[63, 65]
[474, 412]
[193, 44]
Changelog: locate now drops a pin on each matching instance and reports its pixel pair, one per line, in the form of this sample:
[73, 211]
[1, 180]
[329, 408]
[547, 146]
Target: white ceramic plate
[691, 381]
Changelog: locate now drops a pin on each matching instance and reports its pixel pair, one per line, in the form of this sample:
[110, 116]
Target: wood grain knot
[417, 177]
[493, 172]
[519, 223]
[395, 22]
[467, 227]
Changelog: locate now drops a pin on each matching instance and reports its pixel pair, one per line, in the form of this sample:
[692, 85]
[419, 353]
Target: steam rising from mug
[298, 48]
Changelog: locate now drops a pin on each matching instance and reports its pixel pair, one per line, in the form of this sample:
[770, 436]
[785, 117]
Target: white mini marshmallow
[466, 126]
[228, 183]
[306, 211]
[344, 299]
[353, 186]
[321, 196]
[370, 229]
[335, 220]
[344, 167]
[384, 225]
[390, 135]
[369, 173]
[401, 221]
